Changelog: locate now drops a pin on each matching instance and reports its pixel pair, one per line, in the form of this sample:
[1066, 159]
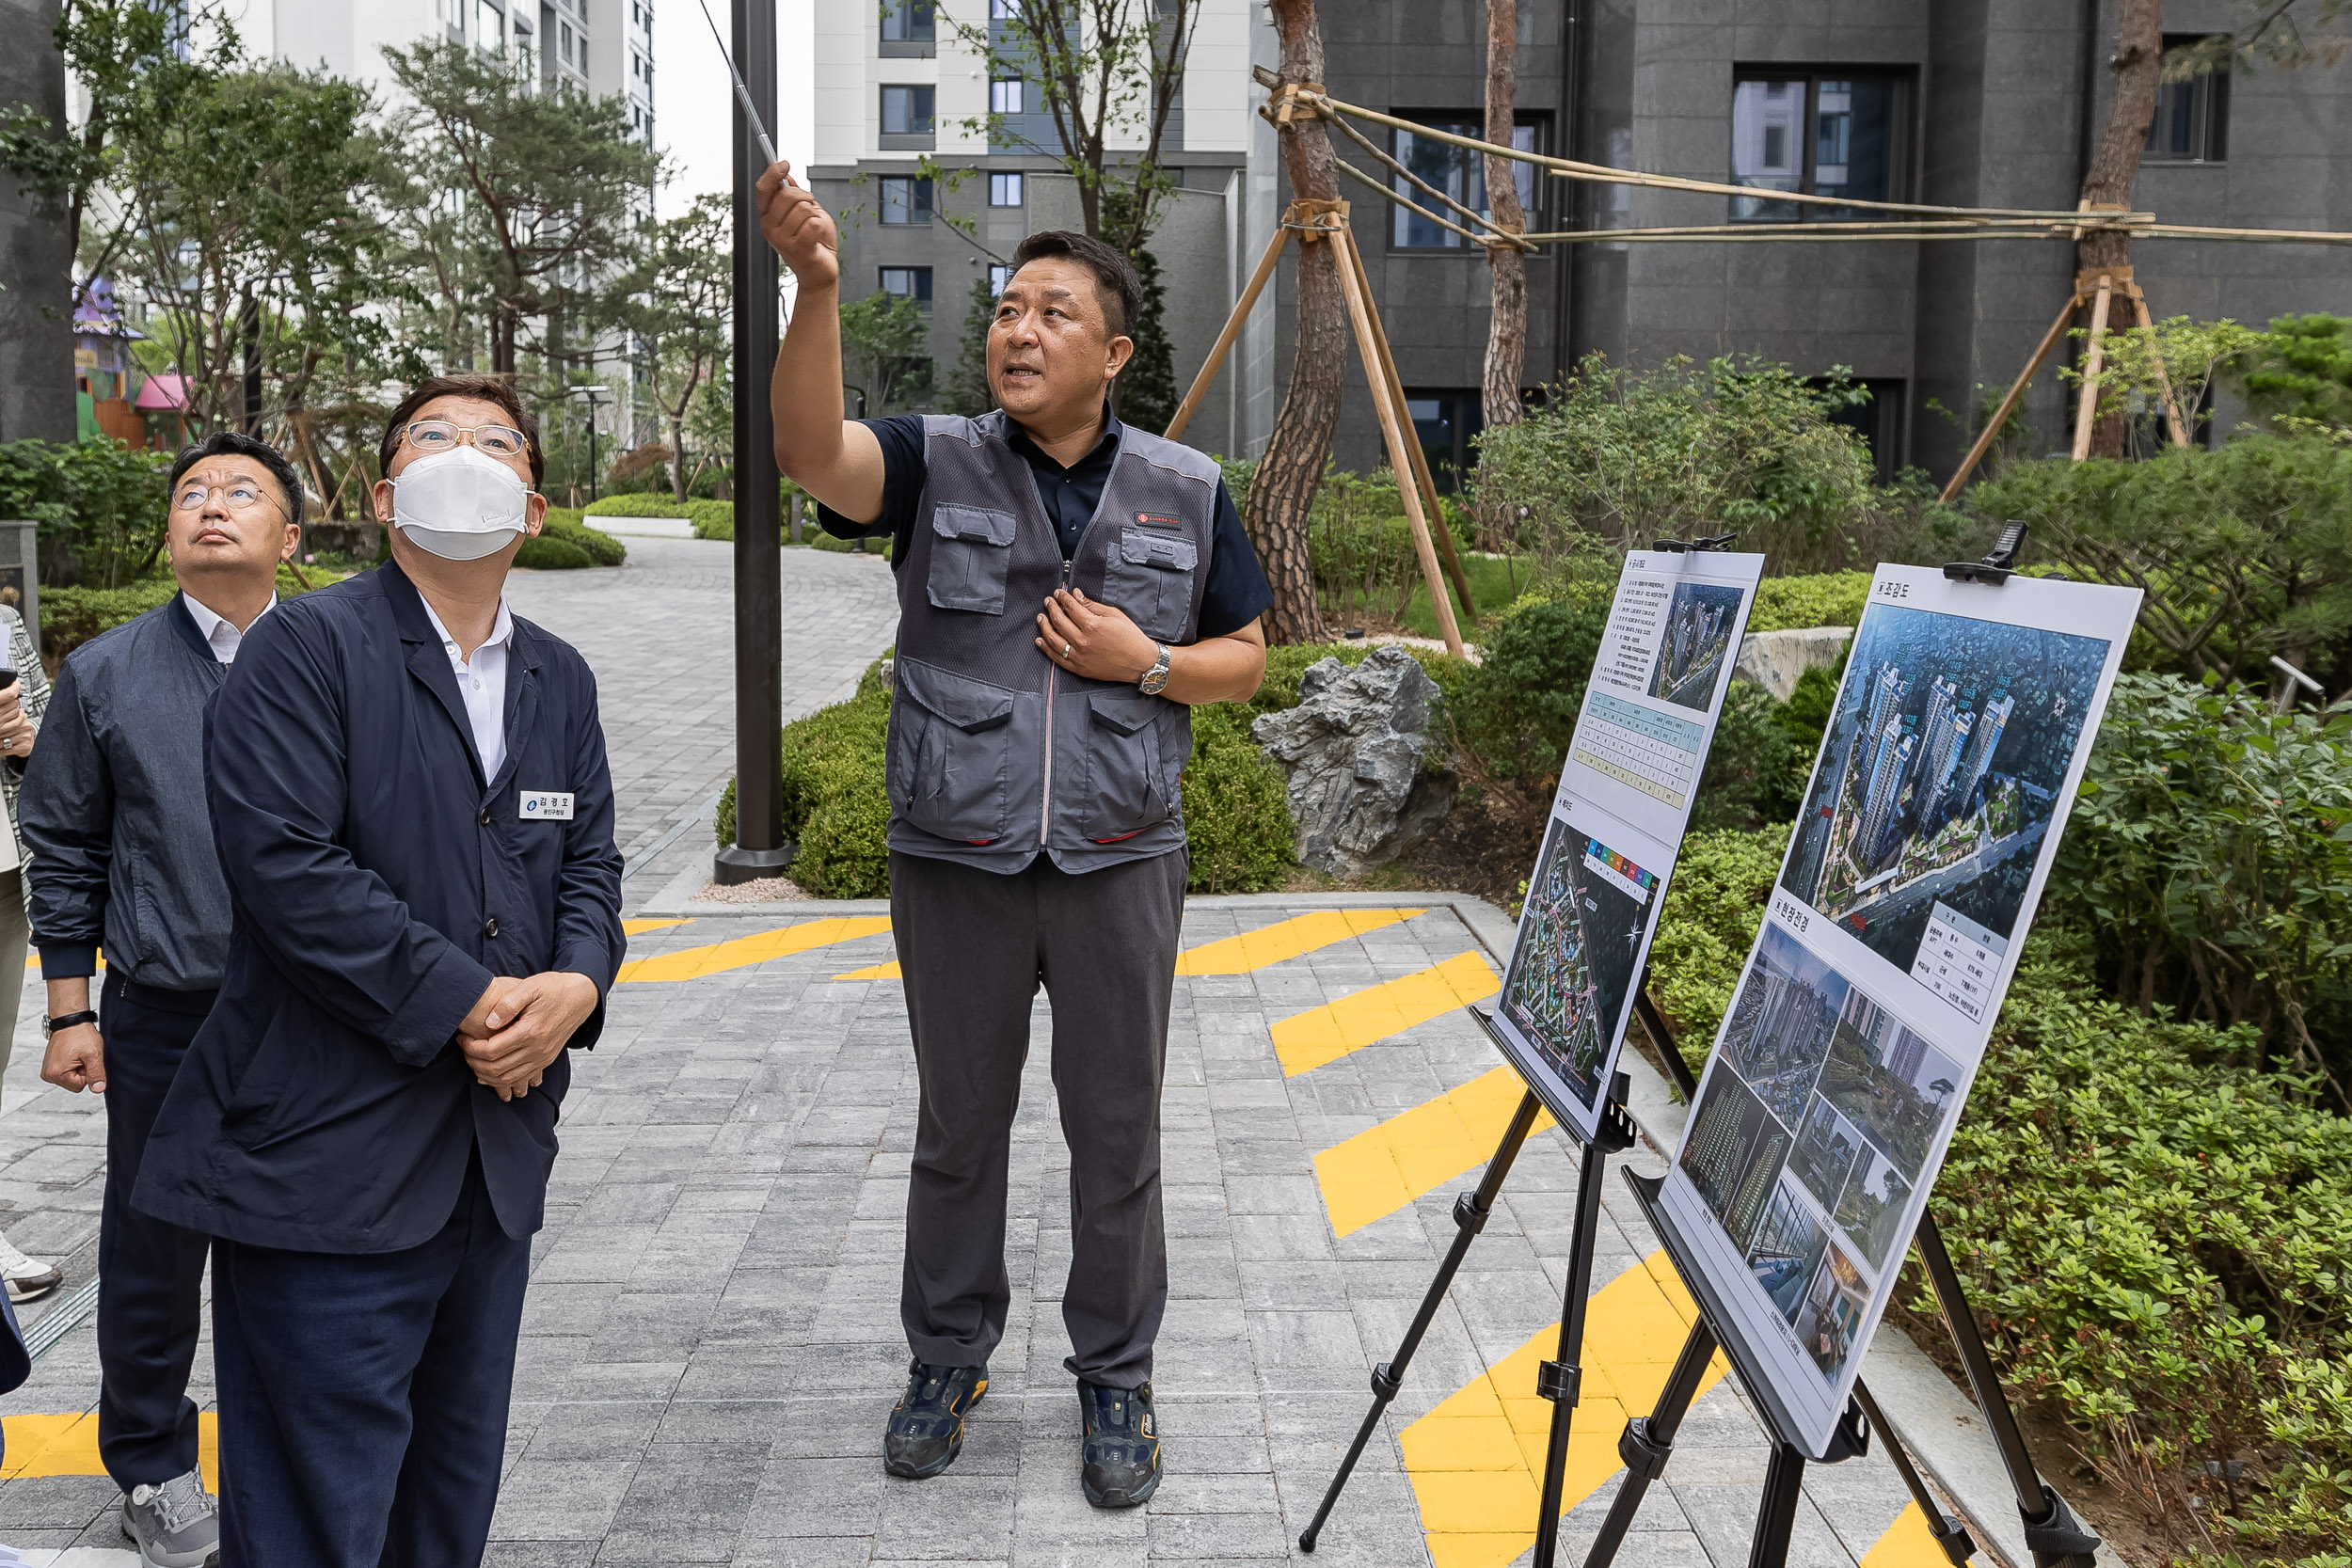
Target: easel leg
[1776, 1516]
[1650, 1440]
[1561, 1379]
[2053, 1534]
[1470, 1215]
[1950, 1533]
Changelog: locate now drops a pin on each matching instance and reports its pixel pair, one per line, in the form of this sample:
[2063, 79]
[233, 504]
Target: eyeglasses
[498, 440]
[237, 495]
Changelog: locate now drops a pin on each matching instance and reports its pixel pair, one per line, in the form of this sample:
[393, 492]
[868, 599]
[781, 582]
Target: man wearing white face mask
[413, 811]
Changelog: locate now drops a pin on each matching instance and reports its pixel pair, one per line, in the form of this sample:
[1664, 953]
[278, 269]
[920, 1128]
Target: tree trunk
[677, 458]
[1283, 489]
[1506, 323]
[503, 326]
[2139, 60]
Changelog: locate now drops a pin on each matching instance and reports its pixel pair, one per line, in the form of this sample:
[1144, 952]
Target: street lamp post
[594, 394]
[759, 849]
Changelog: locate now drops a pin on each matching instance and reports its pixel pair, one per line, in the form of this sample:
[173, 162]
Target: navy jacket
[113, 810]
[379, 883]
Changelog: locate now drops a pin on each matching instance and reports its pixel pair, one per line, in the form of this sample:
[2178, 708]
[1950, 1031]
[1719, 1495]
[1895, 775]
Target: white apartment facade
[900, 82]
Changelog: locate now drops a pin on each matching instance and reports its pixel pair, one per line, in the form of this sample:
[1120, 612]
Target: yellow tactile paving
[1907, 1543]
[1476, 1461]
[1307, 1040]
[1285, 940]
[68, 1446]
[1268, 944]
[639, 927]
[692, 963]
[1384, 1168]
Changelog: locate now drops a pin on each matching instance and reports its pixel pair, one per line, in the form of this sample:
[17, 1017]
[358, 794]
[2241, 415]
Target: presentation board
[1617, 819]
[1943, 780]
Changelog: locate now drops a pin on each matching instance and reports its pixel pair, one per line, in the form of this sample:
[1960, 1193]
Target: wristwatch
[66, 1021]
[1155, 679]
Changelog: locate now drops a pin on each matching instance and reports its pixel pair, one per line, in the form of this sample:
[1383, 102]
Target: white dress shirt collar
[220, 633]
[482, 682]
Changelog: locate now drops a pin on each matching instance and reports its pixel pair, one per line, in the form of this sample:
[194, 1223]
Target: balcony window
[997, 278]
[1455, 171]
[1834, 134]
[908, 22]
[2192, 116]
[913, 283]
[907, 111]
[1006, 190]
[1007, 95]
[489, 25]
[905, 200]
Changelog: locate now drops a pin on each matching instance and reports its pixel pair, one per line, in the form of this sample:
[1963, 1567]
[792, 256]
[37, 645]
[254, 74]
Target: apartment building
[908, 86]
[1963, 102]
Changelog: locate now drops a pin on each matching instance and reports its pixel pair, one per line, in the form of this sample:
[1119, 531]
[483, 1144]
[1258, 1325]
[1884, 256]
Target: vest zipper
[1045, 806]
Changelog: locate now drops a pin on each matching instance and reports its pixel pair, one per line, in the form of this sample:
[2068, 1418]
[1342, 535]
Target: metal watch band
[1155, 679]
[66, 1021]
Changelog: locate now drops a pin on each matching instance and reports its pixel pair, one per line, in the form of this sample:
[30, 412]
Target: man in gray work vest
[1069, 588]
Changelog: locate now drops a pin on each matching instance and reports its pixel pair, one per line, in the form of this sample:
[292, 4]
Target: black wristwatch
[66, 1021]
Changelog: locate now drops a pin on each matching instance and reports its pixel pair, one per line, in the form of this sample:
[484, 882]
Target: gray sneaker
[176, 1524]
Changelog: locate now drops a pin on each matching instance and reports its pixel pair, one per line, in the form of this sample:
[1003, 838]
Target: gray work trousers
[975, 946]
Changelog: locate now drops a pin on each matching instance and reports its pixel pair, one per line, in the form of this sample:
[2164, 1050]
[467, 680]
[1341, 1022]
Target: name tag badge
[544, 806]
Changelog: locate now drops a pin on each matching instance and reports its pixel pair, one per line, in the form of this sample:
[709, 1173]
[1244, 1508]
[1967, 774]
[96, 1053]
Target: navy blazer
[377, 884]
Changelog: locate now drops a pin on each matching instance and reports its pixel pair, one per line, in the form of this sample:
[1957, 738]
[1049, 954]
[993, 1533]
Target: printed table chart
[1654, 753]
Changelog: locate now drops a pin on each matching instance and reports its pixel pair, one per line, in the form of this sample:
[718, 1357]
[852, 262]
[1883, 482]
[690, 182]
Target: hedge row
[565, 543]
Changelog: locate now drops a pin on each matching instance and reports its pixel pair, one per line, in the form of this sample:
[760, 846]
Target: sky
[694, 103]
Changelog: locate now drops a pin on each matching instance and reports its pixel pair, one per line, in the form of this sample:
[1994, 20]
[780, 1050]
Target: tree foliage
[882, 336]
[679, 301]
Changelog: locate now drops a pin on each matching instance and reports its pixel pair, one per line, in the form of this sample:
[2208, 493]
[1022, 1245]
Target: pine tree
[968, 393]
[1147, 387]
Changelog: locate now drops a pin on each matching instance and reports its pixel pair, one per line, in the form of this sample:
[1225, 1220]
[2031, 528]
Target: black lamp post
[759, 849]
[594, 394]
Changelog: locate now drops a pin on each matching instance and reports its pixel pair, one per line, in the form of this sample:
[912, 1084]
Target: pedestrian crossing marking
[1385, 1168]
[639, 927]
[1268, 944]
[1285, 940]
[67, 1445]
[692, 963]
[1476, 1461]
[1909, 1542]
[1307, 1040]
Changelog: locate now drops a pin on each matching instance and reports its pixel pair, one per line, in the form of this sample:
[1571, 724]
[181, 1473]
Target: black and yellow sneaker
[927, 1424]
[1121, 1464]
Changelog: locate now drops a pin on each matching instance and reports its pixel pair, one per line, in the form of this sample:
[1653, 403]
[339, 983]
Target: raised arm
[833, 459]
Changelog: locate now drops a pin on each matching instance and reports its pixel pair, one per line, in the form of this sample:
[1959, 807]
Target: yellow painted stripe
[1384, 1168]
[1907, 1543]
[1307, 1040]
[639, 927]
[1476, 1461]
[692, 963]
[1268, 944]
[1285, 940]
[68, 1446]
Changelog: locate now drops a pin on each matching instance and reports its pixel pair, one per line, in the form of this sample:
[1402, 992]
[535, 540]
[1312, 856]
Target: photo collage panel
[1809, 1139]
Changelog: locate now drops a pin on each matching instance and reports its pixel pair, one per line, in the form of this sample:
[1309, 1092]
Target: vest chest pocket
[948, 754]
[1151, 579]
[971, 550]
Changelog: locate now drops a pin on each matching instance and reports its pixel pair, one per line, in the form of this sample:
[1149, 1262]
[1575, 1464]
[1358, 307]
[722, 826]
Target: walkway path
[711, 1340]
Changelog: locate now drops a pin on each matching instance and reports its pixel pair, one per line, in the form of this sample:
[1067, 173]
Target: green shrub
[2302, 370]
[1514, 711]
[1756, 771]
[881, 545]
[1713, 905]
[1237, 814]
[639, 504]
[599, 547]
[1797, 604]
[550, 553]
[99, 505]
[71, 616]
[835, 800]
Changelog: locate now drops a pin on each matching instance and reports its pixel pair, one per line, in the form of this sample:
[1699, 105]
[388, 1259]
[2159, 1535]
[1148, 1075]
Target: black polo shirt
[1235, 594]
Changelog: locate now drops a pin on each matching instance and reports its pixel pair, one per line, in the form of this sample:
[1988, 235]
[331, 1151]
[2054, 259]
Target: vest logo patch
[1148, 520]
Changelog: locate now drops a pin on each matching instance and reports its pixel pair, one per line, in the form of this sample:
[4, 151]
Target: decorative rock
[1774, 659]
[1356, 749]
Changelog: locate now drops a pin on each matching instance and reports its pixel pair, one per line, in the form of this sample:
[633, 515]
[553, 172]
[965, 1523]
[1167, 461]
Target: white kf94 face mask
[459, 504]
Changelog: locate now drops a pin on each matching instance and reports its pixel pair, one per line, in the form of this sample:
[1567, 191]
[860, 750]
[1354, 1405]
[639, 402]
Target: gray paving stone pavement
[711, 1340]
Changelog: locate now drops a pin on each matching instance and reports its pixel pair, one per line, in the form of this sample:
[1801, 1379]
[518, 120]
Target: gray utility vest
[995, 752]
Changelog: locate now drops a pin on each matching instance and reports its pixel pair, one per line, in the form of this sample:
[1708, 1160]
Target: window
[1005, 190]
[2192, 117]
[1832, 134]
[1458, 172]
[907, 112]
[1001, 10]
[564, 38]
[1448, 424]
[997, 278]
[1006, 96]
[913, 283]
[489, 25]
[905, 200]
[908, 22]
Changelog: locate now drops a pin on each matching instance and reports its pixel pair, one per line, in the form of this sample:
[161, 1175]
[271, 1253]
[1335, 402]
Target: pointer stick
[743, 93]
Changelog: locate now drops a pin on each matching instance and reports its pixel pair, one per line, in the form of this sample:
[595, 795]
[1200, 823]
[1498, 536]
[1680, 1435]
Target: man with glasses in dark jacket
[113, 809]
